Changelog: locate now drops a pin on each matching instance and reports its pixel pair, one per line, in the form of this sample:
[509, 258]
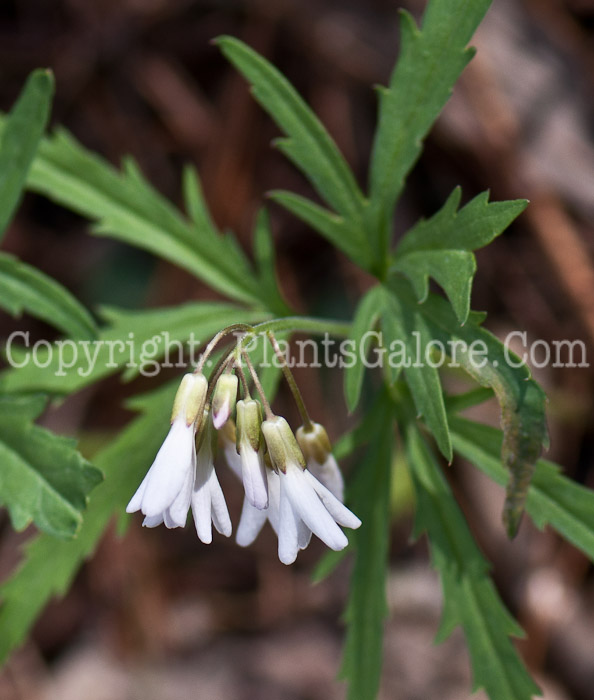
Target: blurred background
[158, 615]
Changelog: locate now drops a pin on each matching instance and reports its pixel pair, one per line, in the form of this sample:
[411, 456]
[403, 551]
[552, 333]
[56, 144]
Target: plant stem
[304, 324]
[307, 424]
[258, 385]
[216, 339]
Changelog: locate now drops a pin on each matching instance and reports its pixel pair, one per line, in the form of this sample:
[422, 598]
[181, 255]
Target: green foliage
[470, 596]
[309, 146]
[25, 288]
[49, 564]
[552, 499]
[441, 247]
[20, 138]
[366, 316]
[264, 257]
[367, 608]
[431, 59]
[44, 479]
[125, 207]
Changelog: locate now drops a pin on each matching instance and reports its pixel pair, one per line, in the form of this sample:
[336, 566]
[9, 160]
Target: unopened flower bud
[314, 442]
[190, 398]
[249, 420]
[281, 443]
[223, 400]
[317, 450]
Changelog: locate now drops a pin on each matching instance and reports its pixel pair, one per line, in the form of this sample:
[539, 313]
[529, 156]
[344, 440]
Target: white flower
[208, 502]
[306, 504]
[165, 492]
[250, 448]
[298, 503]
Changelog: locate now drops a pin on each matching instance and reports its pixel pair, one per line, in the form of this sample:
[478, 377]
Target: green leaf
[366, 316]
[491, 364]
[49, 565]
[196, 206]
[43, 479]
[405, 325]
[429, 64]
[126, 207]
[264, 256]
[367, 607]
[441, 247]
[552, 498]
[470, 598]
[23, 129]
[308, 146]
[332, 226]
[134, 340]
[206, 229]
[25, 288]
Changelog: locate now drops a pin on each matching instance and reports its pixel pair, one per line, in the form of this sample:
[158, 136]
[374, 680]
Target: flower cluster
[290, 479]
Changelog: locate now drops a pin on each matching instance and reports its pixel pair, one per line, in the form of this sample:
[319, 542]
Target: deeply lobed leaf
[367, 607]
[441, 247]
[552, 498]
[43, 478]
[125, 207]
[485, 359]
[49, 564]
[470, 597]
[430, 62]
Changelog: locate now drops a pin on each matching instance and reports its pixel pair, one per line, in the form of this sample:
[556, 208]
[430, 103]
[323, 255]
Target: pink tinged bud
[223, 401]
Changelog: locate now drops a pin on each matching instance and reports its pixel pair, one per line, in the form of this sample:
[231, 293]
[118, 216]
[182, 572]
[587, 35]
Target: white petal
[169, 471]
[220, 417]
[136, 500]
[253, 473]
[303, 534]
[273, 499]
[232, 457]
[201, 500]
[309, 508]
[250, 523]
[153, 521]
[328, 474]
[201, 513]
[208, 502]
[219, 512]
[337, 510]
[177, 513]
[288, 542]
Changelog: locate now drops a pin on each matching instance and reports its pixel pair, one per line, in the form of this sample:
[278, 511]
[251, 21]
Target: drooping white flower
[305, 505]
[208, 502]
[252, 519]
[315, 445]
[251, 453]
[165, 492]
